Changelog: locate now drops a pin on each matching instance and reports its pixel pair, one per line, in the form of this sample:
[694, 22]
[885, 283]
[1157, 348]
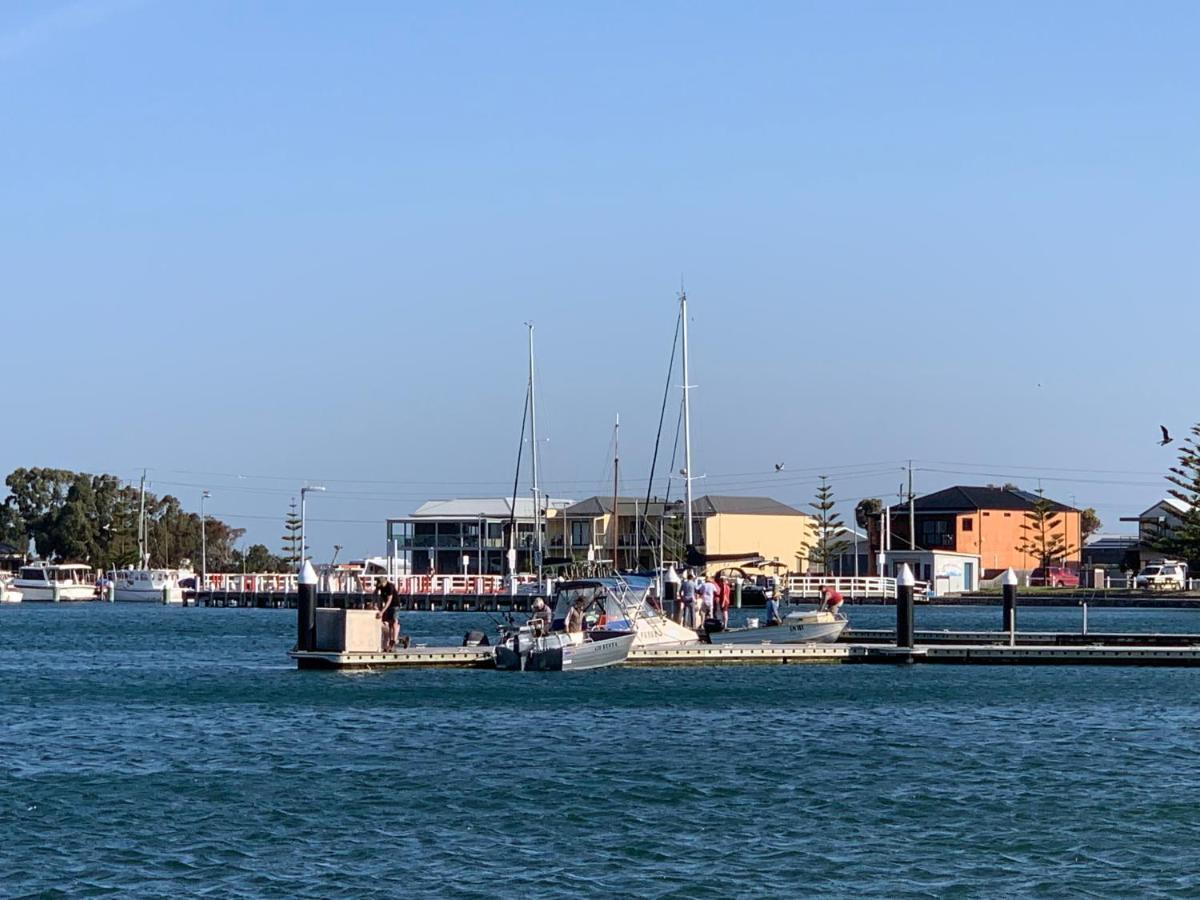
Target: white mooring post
[1009, 582]
[905, 582]
[306, 608]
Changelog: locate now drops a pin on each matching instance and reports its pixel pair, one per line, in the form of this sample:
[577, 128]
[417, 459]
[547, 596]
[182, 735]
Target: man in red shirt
[830, 599]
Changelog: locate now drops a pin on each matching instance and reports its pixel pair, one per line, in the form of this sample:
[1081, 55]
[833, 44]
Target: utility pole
[204, 495]
[912, 510]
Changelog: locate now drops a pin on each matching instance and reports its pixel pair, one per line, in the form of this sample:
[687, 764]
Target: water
[153, 751]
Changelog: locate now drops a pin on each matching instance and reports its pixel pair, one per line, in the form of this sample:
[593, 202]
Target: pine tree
[1041, 537]
[828, 545]
[291, 537]
[1183, 540]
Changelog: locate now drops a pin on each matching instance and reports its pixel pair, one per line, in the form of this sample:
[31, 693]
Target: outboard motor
[475, 638]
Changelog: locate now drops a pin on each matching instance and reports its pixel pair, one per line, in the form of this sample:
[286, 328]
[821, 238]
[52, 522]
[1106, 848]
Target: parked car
[1053, 576]
[1163, 575]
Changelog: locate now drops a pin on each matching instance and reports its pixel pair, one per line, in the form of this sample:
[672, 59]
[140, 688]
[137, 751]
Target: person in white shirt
[707, 591]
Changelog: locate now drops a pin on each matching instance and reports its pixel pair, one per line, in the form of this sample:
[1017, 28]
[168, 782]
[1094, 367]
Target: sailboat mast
[616, 519]
[142, 523]
[687, 427]
[533, 444]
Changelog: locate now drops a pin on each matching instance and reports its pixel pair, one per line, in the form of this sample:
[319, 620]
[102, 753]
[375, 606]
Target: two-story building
[985, 522]
[444, 536]
[721, 526]
[1155, 523]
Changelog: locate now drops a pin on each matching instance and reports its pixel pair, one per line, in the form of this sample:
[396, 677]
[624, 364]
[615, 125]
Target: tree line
[80, 517]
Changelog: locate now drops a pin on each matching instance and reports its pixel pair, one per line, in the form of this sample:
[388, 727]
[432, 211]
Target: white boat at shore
[8, 593]
[149, 585]
[811, 626]
[55, 582]
[523, 650]
[621, 604]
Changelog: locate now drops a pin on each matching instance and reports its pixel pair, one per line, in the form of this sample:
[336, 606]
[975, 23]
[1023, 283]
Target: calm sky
[249, 244]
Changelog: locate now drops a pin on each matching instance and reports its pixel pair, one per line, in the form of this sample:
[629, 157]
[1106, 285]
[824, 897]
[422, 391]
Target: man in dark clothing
[386, 591]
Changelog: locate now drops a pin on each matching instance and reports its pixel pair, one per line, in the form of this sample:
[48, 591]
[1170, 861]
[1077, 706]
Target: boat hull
[174, 596]
[47, 593]
[794, 633]
[560, 653]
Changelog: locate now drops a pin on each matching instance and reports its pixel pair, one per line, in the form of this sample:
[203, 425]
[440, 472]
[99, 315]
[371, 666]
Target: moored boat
[522, 649]
[55, 582]
[148, 585]
[8, 593]
[811, 626]
[620, 604]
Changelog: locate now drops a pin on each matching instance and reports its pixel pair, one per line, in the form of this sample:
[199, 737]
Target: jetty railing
[808, 587]
[363, 583]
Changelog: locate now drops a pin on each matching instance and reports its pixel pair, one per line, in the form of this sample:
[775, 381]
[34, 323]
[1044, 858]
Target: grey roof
[965, 498]
[702, 506]
[1110, 542]
[9, 550]
[742, 506]
[485, 507]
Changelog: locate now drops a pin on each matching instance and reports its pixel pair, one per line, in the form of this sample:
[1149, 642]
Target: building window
[581, 534]
[968, 524]
[1006, 515]
[936, 533]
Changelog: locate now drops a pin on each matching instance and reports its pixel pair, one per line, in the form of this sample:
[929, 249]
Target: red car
[1053, 576]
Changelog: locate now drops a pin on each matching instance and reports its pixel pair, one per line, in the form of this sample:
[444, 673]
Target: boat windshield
[618, 602]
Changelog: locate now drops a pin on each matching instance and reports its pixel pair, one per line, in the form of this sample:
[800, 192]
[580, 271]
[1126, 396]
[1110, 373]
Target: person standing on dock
[707, 593]
[386, 591]
[687, 599]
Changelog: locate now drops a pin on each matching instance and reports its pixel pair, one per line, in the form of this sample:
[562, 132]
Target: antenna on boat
[142, 523]
[687, 423]
[537, 507]
[616, 491]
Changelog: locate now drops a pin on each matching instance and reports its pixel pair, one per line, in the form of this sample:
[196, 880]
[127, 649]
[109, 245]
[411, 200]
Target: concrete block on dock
[347, 631]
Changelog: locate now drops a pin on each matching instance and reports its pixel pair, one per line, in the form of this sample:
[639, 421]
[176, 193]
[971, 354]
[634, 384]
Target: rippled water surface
[153, 751]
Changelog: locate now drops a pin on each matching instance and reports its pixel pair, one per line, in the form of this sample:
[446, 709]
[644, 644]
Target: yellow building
[722, 526]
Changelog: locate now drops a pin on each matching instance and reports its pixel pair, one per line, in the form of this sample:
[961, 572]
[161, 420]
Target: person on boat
[721, 599]
[386, 592]
[575, 617]
[687, 600]
[830, 598]
[541, 618]
[772, 614]
[708, 600]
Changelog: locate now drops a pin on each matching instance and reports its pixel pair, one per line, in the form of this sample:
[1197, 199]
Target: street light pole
[303, 494]
[203, 541]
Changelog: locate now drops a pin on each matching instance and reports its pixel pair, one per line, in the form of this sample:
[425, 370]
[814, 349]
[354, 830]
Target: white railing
[358, 583]
[808, 587]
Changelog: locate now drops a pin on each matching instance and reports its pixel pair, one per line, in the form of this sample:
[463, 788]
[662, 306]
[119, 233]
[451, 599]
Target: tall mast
[142, 523]
[533, 445]
[616, 518]
[687, 426]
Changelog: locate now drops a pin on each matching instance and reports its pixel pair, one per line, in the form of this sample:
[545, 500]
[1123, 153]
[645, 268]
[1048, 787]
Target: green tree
[1183, 540]
[828, 545]
[291, 536]
[1043, 534]
[1089, 523]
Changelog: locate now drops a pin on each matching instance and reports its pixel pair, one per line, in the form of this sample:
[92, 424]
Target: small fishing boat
[523, 649]
[810, 626]
[619, 604]
[56, 582]
[149, 585]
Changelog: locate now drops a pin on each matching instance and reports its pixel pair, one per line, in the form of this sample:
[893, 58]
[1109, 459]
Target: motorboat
[809, 626]
[55, 582]
[524, 648]
[9, 594]
[620, 604]
[149, 585]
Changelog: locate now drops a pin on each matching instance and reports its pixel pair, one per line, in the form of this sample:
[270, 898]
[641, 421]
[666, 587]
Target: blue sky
[289, 241]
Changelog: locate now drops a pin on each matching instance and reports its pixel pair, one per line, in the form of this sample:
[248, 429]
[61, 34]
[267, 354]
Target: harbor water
[147, 751]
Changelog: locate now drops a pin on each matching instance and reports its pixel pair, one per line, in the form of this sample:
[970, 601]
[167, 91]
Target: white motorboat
[811, 626]
[9, 594]
[148, 585]
[55, 582]
[522, 649]
[621, 604]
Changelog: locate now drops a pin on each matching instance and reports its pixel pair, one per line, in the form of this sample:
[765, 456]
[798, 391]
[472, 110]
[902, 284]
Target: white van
[1163, 575]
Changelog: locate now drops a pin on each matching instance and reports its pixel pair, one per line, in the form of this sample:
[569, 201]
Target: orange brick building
[985, 521]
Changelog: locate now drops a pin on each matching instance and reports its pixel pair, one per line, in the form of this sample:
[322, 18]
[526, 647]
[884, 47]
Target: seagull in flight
[1166, 438]
[778, 467]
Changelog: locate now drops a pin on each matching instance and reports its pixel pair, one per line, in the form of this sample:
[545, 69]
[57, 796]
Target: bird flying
[1166, 438]
[778, 467]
